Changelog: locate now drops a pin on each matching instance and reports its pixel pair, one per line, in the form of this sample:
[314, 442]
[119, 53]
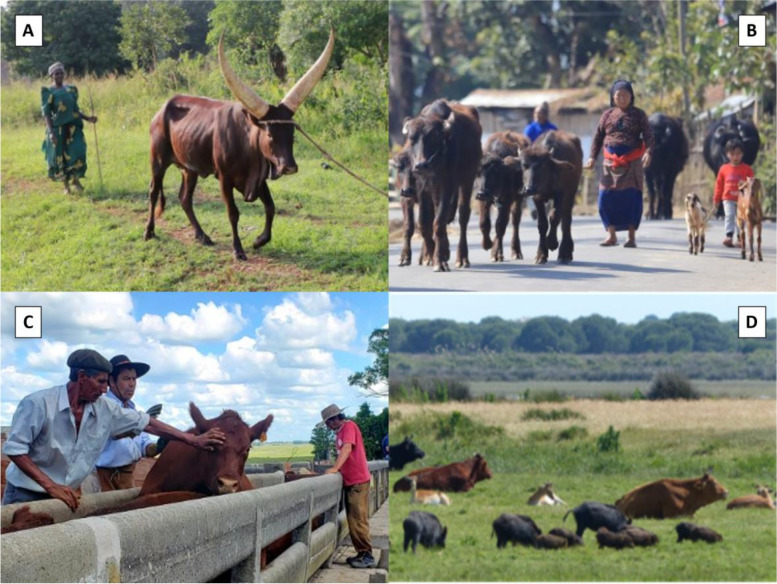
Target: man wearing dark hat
[352, 464]
[116, 465]
[57, 434]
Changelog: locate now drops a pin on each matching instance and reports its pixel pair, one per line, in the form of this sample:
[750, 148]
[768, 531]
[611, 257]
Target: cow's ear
[261, 428]
[199, 420]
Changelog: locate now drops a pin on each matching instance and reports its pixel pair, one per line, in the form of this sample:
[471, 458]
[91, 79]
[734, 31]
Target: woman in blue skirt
[624, 132]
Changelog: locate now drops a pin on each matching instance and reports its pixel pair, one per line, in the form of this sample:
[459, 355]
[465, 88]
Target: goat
[750, 213]
[696, 218]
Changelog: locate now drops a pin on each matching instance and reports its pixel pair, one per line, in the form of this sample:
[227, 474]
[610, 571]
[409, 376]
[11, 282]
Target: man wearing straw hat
[352, 464]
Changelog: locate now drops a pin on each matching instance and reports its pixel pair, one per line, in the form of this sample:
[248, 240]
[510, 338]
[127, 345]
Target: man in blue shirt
[540, 125]
[57, 434]
[116, 465]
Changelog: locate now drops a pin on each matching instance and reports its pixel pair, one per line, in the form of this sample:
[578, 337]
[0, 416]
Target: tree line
[594, 334]
[117, 37]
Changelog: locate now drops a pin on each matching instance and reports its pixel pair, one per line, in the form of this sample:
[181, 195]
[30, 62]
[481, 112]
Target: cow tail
[565, 516]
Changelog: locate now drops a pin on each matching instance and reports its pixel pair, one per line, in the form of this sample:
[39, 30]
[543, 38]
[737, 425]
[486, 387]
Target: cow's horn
[305, 85]
[562, 162]
[244, 94]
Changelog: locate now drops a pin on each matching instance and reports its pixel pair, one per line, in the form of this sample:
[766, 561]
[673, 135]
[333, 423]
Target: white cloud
[206, 323]
[291, 326]
[51, 356]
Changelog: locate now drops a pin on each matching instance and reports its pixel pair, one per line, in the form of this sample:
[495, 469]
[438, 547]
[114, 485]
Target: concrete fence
[193, 541]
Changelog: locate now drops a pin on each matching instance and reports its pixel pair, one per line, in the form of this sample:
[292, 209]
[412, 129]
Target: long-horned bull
[235, 141]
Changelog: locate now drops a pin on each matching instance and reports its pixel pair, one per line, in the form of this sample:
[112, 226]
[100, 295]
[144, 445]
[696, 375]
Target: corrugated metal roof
[589, 99]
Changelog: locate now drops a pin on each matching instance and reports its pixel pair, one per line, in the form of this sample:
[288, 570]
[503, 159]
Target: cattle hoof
[760, 257]
[487, 244]
[204, 239]
[261, 241]
[149, 235]
[565, 260]
[552, 245]
[516, 256]
[404, 262]
[241, 256]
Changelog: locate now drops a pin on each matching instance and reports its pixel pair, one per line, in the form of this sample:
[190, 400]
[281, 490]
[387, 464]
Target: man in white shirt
[116, 465]
[57, 434]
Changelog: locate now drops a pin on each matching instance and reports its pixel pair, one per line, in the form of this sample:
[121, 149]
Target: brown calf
[761, 500]
[750, 214]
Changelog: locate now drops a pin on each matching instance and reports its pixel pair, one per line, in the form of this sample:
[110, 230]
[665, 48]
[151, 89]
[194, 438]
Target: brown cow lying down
[667, 498]
[23, 519]
[761, 500]
[458, 477]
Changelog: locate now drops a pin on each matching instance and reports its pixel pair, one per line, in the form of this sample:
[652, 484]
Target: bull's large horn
[244, 94]
[305, 85]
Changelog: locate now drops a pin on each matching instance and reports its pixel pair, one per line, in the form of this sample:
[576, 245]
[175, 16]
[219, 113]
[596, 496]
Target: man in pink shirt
[352, 464]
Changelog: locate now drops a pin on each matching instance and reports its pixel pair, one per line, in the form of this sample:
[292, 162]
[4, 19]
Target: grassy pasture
[670, 439]
[625, 389]
[329, 231]
[280, 452]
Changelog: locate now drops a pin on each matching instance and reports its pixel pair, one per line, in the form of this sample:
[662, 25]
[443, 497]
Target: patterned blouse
[624, 130]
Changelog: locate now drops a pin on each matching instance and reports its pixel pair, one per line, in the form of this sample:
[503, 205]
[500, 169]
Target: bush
[612, 396]
[553, 396]
[671, 385]
[429, 389]
[609, 441]
[456, 423]
[551, 415]
[573, 433]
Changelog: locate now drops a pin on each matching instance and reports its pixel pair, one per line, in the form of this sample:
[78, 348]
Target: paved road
[661, 263]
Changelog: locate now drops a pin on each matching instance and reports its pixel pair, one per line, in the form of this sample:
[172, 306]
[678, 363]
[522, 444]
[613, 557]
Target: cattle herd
[442, 158]
[611, 523]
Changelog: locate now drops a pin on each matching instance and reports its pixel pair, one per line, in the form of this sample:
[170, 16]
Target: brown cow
[551, 172]
[458, 477]
[501, 185]
[667, 498]
[23, 519]
[444, 142]
[750, 214]
[236, 142]
[761, 500]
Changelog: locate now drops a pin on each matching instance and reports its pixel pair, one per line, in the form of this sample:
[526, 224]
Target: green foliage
[82, 35]
[373, 427]
[150, 31]
[552, 396]
[323, 441]
[374, 377]
[551, 415]
[609, 441]
[637, 395]
[424, 390]
[671, 385]
[572, 433]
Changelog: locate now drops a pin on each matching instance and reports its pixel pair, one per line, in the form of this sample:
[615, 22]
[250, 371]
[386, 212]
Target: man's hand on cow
[331, 471]
[65, 494]
[208, 441]
[589, 164]
[646, 158]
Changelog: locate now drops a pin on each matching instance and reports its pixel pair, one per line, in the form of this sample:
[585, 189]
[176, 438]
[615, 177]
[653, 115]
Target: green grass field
[281, 452]
[329, 231]
[675, 439]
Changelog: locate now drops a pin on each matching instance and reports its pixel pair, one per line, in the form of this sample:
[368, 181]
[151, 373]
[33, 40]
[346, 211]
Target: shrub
[671, 385]
[573, 433]
[425, 390]
[637, 395]
[540, 435]
[551, 415]
[609, 441]
[552, 396]
[612, 396]
[457, 423]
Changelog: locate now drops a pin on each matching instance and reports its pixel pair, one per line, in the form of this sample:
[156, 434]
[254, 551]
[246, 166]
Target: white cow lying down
[544, 495]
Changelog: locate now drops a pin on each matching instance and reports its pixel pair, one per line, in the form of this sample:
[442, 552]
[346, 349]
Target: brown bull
[444, 143]
[501, 186]
[237, 142]
[458, 477]
[551, 172]
[667, 498]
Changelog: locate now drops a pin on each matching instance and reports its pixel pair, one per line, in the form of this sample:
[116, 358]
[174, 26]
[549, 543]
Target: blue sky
[626, 308]
[257, 353]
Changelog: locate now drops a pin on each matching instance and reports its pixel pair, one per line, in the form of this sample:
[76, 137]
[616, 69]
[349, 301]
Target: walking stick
[96, 147]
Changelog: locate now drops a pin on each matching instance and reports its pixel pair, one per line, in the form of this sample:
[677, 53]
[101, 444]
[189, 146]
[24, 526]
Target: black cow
[404, 453]
[551, 172]
[501, 186]
[592, 515]
[424, 528]
[515, 529]
[723, 130]
[410, 188]
[444, 141]
[669, 157]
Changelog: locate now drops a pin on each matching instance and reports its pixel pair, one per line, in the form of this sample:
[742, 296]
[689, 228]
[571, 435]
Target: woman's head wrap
[621, 84]
[544, 107]
[56, 67]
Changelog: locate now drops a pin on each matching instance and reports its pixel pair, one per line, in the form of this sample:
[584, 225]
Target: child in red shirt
[727, 186]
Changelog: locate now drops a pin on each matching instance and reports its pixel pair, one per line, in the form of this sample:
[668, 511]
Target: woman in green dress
[64, 146]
